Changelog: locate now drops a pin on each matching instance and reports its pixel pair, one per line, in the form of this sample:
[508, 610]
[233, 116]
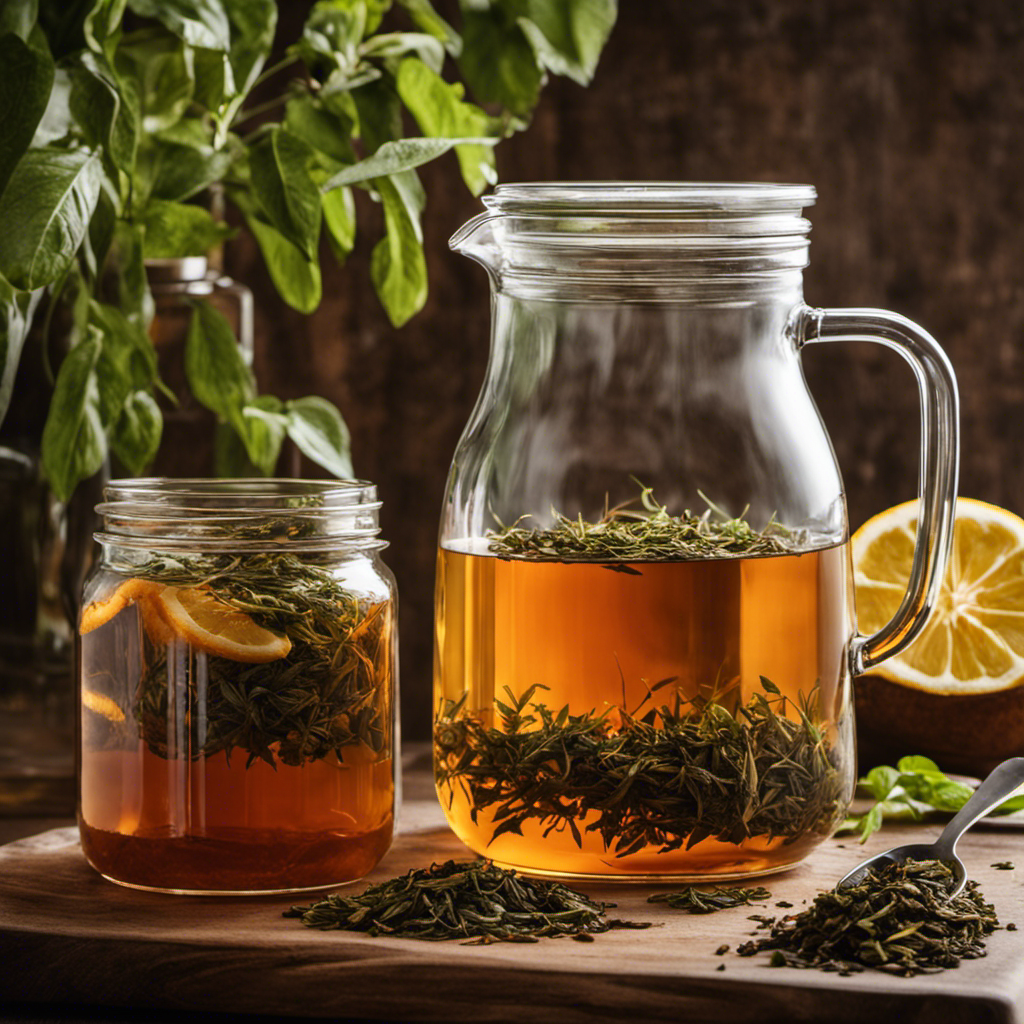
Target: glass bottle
[238, 684]
[608, 703]
[191, 435]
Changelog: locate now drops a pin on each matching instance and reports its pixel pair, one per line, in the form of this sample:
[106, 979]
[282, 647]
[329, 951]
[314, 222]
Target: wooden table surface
[69, 937]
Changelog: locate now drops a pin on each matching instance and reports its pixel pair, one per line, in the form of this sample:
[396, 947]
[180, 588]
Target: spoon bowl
[1001, 783]
[911, 851]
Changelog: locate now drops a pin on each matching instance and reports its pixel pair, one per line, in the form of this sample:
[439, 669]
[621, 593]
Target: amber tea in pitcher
[644, 629]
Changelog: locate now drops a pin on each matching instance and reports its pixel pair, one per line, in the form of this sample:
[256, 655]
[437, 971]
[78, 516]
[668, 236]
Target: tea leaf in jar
[326, 687]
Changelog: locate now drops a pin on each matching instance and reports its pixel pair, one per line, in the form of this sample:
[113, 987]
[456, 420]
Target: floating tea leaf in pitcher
[600, 708]
[624, 534]
[898, 919]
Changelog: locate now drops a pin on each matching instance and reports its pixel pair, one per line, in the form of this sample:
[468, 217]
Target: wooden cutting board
[66, 935]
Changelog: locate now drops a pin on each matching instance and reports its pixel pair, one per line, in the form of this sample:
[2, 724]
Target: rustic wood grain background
[908, 116]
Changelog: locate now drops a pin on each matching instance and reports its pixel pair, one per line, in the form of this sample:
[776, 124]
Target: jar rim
[252, 514]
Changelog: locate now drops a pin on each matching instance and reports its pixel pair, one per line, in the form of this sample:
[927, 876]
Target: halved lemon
[212, 625]
[99, 613]
[974, 640]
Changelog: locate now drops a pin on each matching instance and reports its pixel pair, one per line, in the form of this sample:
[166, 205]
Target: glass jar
[645, 633]
[238, 683]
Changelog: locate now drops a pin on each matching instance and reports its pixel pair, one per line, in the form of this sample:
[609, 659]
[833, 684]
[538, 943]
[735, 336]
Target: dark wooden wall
[908, 116]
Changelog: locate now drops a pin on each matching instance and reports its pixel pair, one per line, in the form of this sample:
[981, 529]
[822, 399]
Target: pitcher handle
[940, 460]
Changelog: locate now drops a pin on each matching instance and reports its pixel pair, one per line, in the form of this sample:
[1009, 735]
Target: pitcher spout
[477, 240]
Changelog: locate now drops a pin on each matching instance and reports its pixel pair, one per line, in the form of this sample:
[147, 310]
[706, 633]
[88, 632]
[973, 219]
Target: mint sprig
[915, 788]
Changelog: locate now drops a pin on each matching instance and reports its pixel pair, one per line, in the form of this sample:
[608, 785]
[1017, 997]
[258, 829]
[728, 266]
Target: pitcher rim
[664, 197]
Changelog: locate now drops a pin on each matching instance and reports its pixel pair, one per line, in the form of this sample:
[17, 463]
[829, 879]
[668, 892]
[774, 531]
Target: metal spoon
[1000, 784]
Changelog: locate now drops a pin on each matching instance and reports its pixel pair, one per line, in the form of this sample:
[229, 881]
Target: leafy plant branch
[121, 118]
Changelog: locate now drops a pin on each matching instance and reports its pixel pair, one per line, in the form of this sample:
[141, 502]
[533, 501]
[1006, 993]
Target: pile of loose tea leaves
[699, 900]
[331, 691]
[898, 919]
[671, 778]
[475, 901]
[632, 535]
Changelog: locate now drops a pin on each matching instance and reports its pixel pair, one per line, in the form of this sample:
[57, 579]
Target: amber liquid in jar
[168, 803]
[598, 636]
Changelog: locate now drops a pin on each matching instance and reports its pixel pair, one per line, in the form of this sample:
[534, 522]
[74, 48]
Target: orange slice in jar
[157, 628]
[105, 707]
[99, 613]
[197, 615]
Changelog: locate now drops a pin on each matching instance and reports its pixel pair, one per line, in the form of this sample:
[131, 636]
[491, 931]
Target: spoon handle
[1000, 784]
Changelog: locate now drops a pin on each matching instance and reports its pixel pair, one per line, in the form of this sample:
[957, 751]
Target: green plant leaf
[263, 432]
[106, 112]
[880, 781]
[177, 172]
[320, 433]
[45, 212]
[174, 230]
[216, 370]
[134, 298]
[18, 310]
[379, 111]
[497, 61]
[426, 18]
[74, 442]
[252, 34]
[375, 11]
[397, 266]
[18, 16]
[334, 29]
[214, 88]
[393, 157]
[25, 85]
[568, 35]
[326, 131]
[440, 110]
[56, 122]
[162, 65]
[917, 763]
[199, 22]
[340, 218]
[279, 166]
[230, 458]
[135, 436]
[389, 45]
[296, 277]
[102, 28]
[125, 345]
[915, 787]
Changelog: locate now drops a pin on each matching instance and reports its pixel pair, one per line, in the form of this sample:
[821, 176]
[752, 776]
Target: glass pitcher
[644, 631]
